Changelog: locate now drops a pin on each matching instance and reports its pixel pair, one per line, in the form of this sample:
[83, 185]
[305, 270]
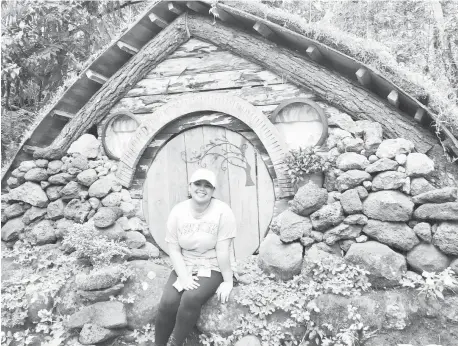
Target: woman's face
[201, 191]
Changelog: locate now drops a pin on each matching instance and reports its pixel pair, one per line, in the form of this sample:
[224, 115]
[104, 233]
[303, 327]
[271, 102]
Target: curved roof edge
[160, 14]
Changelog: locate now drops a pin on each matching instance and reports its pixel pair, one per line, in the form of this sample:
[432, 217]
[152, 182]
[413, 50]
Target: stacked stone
[47, 197]
[377, 208]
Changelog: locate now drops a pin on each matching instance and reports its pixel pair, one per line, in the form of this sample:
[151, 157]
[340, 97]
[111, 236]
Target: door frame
[233, 106]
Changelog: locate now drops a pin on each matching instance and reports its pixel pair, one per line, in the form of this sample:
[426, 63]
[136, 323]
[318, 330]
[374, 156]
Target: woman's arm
[186, 280]
[224, 262]
[223, 257]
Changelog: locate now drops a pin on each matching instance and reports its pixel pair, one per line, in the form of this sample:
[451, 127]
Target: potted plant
[306, 164]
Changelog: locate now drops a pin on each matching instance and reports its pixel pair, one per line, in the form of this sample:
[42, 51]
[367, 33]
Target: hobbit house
[226, 87]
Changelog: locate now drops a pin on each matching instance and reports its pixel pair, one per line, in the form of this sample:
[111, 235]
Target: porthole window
[117, 132]
[301, 122]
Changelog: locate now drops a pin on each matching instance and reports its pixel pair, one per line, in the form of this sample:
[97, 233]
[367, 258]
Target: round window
[117, 133]
[301, 122]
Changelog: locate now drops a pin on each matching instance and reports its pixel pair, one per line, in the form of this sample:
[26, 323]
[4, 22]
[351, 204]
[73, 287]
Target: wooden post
[174, 8]
[419, 115]
[314, 53]
[363, 76]
[127, 48]
[160, 22]
[263, 30]
[96, 77]
[197, 7]
[393, 98]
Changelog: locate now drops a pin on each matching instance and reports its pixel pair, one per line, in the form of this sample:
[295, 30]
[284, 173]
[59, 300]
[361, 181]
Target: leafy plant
[95, 247]
[432, 284]
[264, 296]
[145, 334]
[303, 161]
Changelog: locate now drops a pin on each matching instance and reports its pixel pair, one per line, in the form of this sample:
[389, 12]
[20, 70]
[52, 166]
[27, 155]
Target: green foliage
[89, 244]
[432, 284]
[303, 161]
[264, 296]
[144, 335]
[44, 272]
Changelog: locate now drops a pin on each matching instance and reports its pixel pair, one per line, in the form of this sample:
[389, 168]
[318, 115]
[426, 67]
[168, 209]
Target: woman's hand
[224, 290]
[189, 282]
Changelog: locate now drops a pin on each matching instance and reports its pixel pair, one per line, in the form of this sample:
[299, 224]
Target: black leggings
[179, 311]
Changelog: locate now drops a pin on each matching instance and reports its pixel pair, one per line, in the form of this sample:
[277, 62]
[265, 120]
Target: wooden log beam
[337, 90]
[127, 47]
[419, 115]
[62, 114]
[225, 16]
[154, 52]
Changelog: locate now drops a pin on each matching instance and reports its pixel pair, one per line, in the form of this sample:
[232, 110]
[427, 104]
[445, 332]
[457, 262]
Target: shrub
[303, 161]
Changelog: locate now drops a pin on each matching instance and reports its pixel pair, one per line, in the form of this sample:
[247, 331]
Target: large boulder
[351, 202]
[12, 229]
[427, 257]
[105, 314]
[54, 167]
[290, 226]
[282, 260]
[14, 210]
[87, 177]
[36, 174]
[356, 219]
[43, 233]
[87, 145]
[93, 334]
[351, 160]
[146, 283]
[327, 216]
[423, 231]
[341, 232]
[99, 279]
[145, 252]
[388, 206]
[31, 193]
[420, 185]
[60, 178]
[447, 194]
[372, 133]
[385, 266]
[394, 234]
[382, 165]
[335, 135]
[53, 192]
[113, 199]
[351, 179]
[105, 217]
[134, 239]
[101, 295]
[349, 144]
[388, 180]
[79, 163]
[33, 214]
[71, 191]
[308, 199]
[446, 238]
[77, 210]
[439, 211]
[55, 210]
[389, 148]
[419, 165]
[101, 187]
[26, 166]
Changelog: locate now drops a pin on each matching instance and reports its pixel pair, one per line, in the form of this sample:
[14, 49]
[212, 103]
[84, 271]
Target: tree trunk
[155, 51]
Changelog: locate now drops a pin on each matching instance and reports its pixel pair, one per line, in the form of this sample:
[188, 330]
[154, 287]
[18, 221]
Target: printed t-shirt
[197, 236]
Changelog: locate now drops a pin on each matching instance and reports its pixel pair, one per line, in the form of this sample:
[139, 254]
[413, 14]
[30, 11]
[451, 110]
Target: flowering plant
[303, 161]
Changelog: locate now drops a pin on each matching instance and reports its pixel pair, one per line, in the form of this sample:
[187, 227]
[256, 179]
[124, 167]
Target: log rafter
[338, 91]
[154, 52]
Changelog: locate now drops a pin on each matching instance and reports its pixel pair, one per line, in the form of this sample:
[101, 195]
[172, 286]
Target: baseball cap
[203, 174]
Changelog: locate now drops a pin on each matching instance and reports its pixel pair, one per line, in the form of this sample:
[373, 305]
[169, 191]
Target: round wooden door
[243, 182]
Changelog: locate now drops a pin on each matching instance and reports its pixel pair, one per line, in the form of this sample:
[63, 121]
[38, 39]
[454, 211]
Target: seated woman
[199, 234]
